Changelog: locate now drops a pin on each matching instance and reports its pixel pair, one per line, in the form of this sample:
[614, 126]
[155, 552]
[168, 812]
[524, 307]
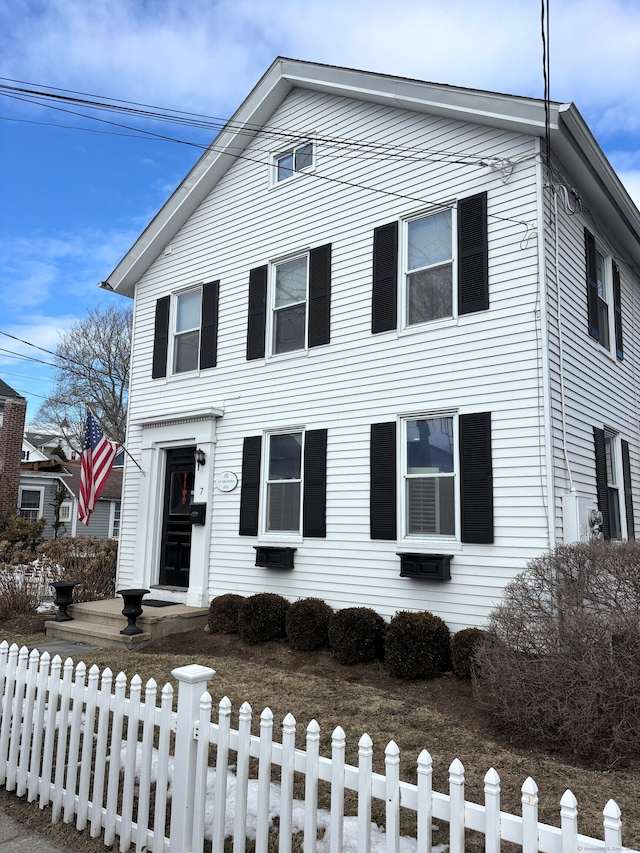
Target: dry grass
[439, 715]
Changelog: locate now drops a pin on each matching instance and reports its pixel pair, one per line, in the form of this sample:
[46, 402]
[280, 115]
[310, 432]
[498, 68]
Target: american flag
[98, 454]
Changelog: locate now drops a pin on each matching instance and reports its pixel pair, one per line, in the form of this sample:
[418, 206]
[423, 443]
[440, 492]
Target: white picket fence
[117, 766]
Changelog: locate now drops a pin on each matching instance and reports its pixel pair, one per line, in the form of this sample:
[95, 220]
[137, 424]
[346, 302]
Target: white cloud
[207, 56]
[41, 268]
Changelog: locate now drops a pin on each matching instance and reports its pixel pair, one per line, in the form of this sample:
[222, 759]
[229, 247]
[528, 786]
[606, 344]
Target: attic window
[298, 159]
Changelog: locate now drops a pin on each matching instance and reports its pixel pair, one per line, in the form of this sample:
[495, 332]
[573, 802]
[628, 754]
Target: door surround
[195, 428]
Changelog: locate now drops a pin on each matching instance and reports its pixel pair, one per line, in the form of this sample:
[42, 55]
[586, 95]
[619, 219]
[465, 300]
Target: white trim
[173, 322]
[414, 541]
[270, 330]
[285, 152]
[40, 490]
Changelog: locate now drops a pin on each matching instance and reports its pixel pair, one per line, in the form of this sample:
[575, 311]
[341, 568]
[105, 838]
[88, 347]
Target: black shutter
[383, 481]
[319, 296]
[617, 310]
[628, 495]
[592, 286]
[257, 319]
[250, 488]
[473, 255]
[385, 278]
[476, 478]
[209, 330]
[315, 483]
[160, 338]
[601, 480]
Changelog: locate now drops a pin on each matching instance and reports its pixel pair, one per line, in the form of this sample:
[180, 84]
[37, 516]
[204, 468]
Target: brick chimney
[11, 432]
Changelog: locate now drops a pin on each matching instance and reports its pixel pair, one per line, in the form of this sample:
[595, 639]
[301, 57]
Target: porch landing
[100, 622]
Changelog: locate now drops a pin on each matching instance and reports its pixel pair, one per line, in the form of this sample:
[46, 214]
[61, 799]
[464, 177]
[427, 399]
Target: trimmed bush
[307, 624]
[262, 617]
[417, 645]
[223, 613]
[560, 666]
[356, 635]
[464, 646]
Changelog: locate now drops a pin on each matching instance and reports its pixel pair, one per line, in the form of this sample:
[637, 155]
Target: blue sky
[72, 201]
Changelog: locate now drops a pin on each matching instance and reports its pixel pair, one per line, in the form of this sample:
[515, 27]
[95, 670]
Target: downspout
[560, 341]
[547, 435]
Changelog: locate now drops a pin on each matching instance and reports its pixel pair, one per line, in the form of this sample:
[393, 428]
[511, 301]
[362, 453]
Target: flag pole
[119, 445]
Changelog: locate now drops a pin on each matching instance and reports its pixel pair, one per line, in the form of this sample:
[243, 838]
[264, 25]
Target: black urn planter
[132, 609]
[64, 597]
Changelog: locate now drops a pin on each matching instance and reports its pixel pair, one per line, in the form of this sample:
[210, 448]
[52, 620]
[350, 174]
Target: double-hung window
[603, 297]
[186, 340]
[290, 304]
[283, 489]
[295, 160]
[613, 484]
[283, 483]
[434, 265]
[432, 479]
[289, 314]
[429, 267]
[429, 474]
[186, 331]
[31, 503]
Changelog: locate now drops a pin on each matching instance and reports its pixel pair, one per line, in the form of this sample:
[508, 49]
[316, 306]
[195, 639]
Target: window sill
[273, 557]
[425, 566]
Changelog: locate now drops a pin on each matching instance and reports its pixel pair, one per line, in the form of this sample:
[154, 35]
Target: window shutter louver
[385, 278]
[617, 309]
[473, 255]
[601, 480]
[628, 494]
[209, 330]
[319, 296]
[476, 478]
[256, 322]
[315, 483]
[592, 285]
[250, 488]
[160, 339]
[383, 481]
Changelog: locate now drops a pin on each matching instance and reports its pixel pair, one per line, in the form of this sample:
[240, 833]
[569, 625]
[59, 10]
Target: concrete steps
[100, 622]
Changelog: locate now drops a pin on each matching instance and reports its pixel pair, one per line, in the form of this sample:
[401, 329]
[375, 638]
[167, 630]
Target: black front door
[175, 554]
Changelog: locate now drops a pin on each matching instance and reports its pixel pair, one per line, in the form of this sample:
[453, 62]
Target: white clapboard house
[381, 355]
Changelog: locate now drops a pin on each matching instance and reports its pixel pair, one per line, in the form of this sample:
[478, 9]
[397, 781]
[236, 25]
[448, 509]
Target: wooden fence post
[311, 788]
[492, 811]
[365, 771]
[336, 827]
[192, 683]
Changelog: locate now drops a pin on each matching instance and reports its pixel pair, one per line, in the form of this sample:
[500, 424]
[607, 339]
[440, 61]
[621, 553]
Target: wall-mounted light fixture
[200, 457]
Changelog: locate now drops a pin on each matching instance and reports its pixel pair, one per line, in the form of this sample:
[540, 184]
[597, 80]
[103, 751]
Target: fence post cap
[193, 673]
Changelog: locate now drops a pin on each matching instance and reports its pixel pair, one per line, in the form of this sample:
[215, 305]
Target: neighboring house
[38, 488]
[49, 443]
[30, 453]
[382, 355]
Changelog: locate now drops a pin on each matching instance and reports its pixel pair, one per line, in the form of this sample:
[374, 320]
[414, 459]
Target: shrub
[561, 663]
[356, 635]
[417, 646]
[91, 562]
[262, 617]
[464, 646]
[308, 624]
[23, 588]
[223, 613]
[17, 529]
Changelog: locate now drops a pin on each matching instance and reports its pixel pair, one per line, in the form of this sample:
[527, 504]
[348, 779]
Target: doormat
[156, 602]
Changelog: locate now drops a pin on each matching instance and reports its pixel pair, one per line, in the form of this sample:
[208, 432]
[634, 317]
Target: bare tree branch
[92, 369]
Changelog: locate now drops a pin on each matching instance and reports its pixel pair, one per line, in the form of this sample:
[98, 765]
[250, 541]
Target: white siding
[488, 361]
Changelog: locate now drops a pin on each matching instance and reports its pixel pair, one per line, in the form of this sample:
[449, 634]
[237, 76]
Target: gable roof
[7, 390]
[571, 141]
